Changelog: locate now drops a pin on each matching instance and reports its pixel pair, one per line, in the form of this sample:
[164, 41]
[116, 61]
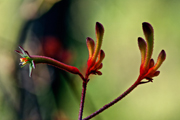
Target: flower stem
[115, 100]
[82, 99]
[56, 63]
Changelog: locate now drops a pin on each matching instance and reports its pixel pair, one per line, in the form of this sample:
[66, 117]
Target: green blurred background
[122, 20]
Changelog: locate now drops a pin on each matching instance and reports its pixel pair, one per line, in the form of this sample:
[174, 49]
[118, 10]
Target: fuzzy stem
[58, 64]
[115, 100]
[82, 100]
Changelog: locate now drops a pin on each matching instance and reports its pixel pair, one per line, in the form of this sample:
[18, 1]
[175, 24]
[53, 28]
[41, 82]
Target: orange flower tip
[99, 28]
[147, 28]
[156, 73]
[23, 61]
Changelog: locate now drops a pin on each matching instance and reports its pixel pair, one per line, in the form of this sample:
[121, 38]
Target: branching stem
[82, 100]
[115, 100]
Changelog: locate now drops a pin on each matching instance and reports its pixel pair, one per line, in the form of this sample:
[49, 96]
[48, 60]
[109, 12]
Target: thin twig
[82, 100]
[115, 100]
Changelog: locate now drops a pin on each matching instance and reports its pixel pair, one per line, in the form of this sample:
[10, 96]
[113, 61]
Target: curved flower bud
[90, 45]
[160, 60]
[96, 55]
[156, 73]
[149, 35]
[99, 37]
[142, 48]
[99, 72]
[147, 68]
[151, 63]
[100, 66]
[100, 59]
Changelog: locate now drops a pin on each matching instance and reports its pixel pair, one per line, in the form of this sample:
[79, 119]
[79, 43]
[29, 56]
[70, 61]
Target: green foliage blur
[122, 20]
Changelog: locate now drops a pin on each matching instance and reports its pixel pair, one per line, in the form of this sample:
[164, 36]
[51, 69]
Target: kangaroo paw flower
[148, 68]
[96, 55]
[26, 59]
[32, 60]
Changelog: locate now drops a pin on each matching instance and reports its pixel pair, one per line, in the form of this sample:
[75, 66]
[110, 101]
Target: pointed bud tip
[141, 44]
[141, 41]
[17, 51]
[90, 45]
[147, 25]
[89, 39]
[163, 55]
[102, 53]
[101, 56]
[21, 48]
[99, 27]
[99, 24]
[147, 28]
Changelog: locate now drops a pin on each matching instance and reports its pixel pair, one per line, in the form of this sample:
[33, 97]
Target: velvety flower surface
[148, 68]
[96, 55]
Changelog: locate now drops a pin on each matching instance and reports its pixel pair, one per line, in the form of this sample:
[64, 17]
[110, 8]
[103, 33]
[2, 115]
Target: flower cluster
[148, 68]
[34, 59]
[96, 55]
[94, 63]
[26, 58]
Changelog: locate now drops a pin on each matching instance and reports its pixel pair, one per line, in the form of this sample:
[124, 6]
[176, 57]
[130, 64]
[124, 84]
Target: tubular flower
[148, 68]
[96, 55]
[32, 60]
[26, 58]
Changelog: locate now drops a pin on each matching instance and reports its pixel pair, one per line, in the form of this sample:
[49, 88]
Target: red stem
[50, 61]
[115, 100]
[47, 60]
[82, 99]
